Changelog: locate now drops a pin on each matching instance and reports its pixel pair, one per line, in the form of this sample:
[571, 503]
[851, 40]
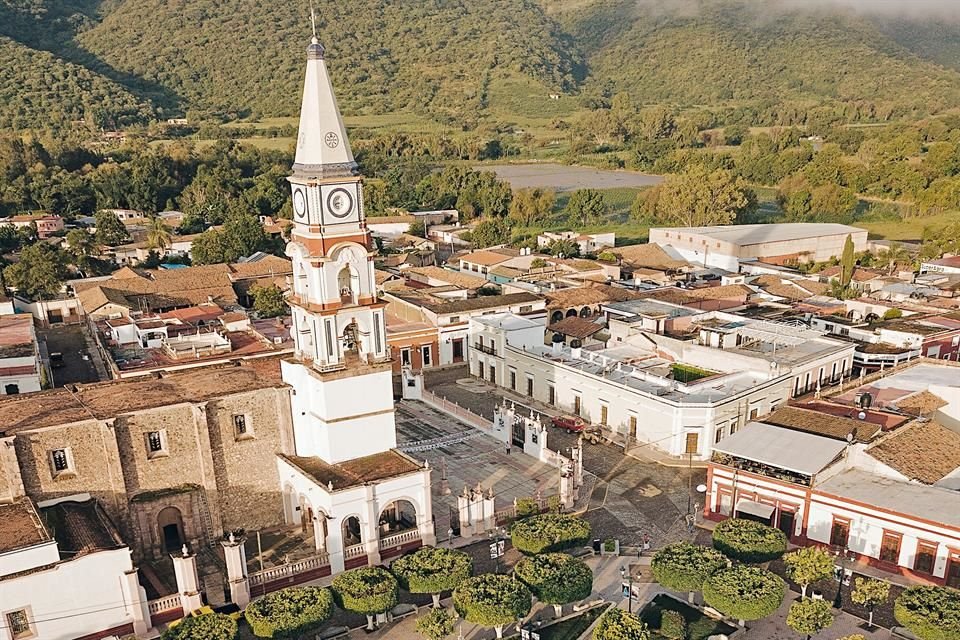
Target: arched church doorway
[170, 524]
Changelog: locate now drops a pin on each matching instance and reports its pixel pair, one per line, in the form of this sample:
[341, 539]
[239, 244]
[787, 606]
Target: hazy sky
[914, 8]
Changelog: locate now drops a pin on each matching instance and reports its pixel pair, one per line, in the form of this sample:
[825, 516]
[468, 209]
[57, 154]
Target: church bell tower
[341, 373]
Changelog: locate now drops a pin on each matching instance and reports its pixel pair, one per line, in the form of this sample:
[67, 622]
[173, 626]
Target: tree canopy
[685, 567]
[870, 593]
[749, 541]
[436, 624]
[809, 617]
[268, 301]
[699, 197]
[39, 272]
[556, 578]
[930, 613]
[209, 626]
[492, 600]
[432, 570]
[807, 565]
[745, 593]
[367, 590]
[617, 624]
[289, 613]
[549, 532]
[585, 207]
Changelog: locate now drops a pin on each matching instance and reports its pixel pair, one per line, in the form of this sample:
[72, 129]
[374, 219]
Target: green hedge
[209, 626]
[556, 578]
[930, 613]
[549, 532]
[673, 625]
[432, 570]
[744, 593]
[617, 624]
[492, 600]
[367, 591]
[685, 567]
[289, 613]
[749, 541]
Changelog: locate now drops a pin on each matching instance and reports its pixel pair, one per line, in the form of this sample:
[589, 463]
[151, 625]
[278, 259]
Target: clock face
[299, 203]
[340, 203]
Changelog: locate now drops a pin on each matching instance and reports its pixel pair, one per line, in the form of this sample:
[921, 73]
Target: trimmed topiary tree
[749, 541]
[930, 613]
[617, 624]
[209, 626]
[809, 617]
[744, 593]
[870, 593]
[289, 613]
[549, 532]
[673, 625]
[808, 565]
[492, 600]
[432, 570]
[436, 624]
[685, 567]
[556, 578]
[368, 591]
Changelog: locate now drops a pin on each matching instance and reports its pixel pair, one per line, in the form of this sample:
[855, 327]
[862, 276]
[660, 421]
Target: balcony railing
[760, 469]
[488, 349]
[399, 539]
[288, 570]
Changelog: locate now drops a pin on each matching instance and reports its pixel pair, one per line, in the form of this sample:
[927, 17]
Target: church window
[62, 461]
[156, 443]
[241, 426]
[19, 624]
[376, 332]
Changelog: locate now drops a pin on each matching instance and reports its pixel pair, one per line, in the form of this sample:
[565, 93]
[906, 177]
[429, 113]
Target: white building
[679, 395]
[74, 579]
[587, 242]
[726, 246]
[20, 364]
[365, 499]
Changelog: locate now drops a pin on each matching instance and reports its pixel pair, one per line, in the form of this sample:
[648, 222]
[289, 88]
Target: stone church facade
[175, 459]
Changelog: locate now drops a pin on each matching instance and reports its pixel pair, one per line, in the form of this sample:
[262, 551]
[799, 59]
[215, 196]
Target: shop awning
[757, 509]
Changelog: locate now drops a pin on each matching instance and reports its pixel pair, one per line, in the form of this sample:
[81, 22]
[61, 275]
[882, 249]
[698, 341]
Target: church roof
[323, 149]
[357, 471]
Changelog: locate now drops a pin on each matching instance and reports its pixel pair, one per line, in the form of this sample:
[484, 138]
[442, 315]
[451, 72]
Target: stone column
[236, 559]
[188, 584]
[489, 511]
[136, 598]
[425, 520]
[335, 548]
[463, 509]
[319, 535]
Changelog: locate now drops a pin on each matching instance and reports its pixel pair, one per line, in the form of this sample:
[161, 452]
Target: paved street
[632, 498]
[78, 364]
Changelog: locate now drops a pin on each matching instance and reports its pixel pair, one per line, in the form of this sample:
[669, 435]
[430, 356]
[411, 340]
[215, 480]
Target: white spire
[322, 146]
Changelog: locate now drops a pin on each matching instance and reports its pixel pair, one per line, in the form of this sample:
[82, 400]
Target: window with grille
[890, 547]
[240, 425]
[426, 356]
[926, 558]
[19, 623]
[155, 441]
[61, 460]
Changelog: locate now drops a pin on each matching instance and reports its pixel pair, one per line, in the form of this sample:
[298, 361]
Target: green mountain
[116, 62]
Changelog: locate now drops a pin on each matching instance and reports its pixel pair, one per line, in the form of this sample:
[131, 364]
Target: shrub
[871, 594]
[673, 625]
[367, 591]
[617, 624]
[436, 624]
[749, 541]
[556, 578]
[808, 565]
[549, 532]
[288, 613]
[432, 570]
[809, 617]
[527, 507]
[609, 545]
[492, 600]
[209, 626]
[930, 613]
[745, 593]
[685, 567]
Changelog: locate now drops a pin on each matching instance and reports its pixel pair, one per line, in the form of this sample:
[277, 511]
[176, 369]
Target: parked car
[575, 424]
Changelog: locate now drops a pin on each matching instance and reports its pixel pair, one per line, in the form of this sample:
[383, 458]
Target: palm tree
[158, 235]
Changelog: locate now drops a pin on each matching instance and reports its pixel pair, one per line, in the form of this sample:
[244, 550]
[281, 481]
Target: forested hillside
[112, 63]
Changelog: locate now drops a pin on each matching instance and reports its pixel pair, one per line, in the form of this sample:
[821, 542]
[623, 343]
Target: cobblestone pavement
[631, 498]
[473, 457]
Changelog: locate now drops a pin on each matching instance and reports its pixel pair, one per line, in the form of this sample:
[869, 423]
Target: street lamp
[626, 575]
[843, 555]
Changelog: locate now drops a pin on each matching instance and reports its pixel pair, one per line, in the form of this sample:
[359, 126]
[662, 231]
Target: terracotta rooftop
[921, 403]
[138, 289]
[485, 257]
[381, 276]
[356, 472]
[109, 399]
[792, 289]
[830, 426]
[16, 335]
[923, 450]
[20, 526]
[575, 327]
[440, 305]
[860, 274]
[719, 293]
[81, 527]
[268, 265]
[650, 256]
[589, 294]
[464, 280]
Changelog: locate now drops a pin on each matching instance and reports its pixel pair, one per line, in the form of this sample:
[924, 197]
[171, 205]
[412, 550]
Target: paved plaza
[633, 498]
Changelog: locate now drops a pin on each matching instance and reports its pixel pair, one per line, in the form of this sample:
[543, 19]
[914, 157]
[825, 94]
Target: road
[561, 177]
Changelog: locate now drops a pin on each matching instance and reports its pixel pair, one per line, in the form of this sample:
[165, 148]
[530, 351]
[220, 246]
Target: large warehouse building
[725, 247]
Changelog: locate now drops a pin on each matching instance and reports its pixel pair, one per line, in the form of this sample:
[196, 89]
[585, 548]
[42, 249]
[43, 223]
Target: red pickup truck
[575, 424]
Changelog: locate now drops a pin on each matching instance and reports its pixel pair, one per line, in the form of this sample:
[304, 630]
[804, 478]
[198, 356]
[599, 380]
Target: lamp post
[843, 554]
[626, 575]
